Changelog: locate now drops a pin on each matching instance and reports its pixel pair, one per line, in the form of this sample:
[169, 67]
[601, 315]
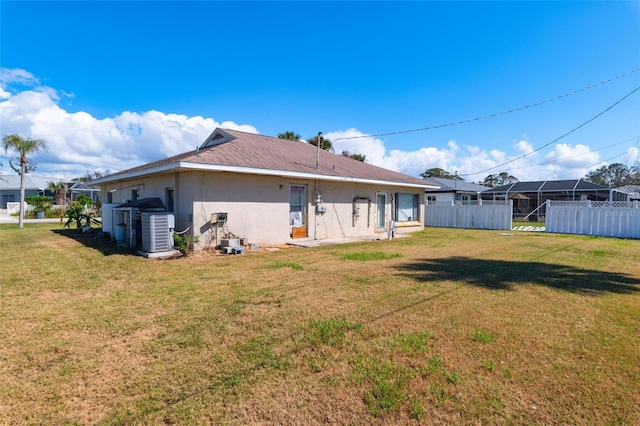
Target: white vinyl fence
[603, 218]
[469, 214]
[14, 207]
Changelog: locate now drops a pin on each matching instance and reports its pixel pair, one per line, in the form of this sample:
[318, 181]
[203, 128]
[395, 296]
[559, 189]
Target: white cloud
[79, 142]
[572, 157]
[409, 162]
[16, 75]
[524, 147]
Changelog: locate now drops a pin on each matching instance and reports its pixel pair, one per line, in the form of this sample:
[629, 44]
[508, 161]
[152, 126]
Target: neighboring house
[528, 196]
[271, 191]
[453, 190]
[10, 188]
[79, 188]
[632, 191]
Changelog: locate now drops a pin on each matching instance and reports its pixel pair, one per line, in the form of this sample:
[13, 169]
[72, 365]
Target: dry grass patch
[448, 326]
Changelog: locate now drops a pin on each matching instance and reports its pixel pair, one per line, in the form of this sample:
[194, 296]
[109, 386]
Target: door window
[297, 205]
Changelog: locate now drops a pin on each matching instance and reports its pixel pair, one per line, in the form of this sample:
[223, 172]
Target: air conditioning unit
[157, 232]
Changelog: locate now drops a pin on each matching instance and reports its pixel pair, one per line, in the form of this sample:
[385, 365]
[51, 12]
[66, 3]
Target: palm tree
[324, 142]
[59, 190]
[24, 147]
[289, 135]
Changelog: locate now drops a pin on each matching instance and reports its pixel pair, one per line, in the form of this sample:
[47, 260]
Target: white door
[298, 211]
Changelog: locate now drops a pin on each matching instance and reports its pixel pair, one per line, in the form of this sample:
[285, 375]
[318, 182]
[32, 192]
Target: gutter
[253, 171]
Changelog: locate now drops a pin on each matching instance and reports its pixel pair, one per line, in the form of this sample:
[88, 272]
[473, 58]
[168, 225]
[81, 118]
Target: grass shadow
[505, 275]
[92, 240]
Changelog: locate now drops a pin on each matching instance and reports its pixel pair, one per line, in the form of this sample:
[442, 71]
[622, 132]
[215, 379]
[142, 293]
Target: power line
[544, 163]
[558, 138]
[495, 114]
[631, 151]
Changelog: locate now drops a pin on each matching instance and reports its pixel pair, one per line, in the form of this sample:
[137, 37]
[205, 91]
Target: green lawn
[445, 327]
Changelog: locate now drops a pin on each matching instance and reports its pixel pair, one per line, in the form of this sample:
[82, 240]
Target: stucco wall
[258, 206]
[147, 187]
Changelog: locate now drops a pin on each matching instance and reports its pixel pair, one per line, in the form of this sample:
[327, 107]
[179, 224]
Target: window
[407, 208]
[109, 197]
[431, 199]
[135, 195]
[169, 199]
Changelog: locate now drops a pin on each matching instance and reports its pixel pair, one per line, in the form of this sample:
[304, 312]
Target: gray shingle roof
[457, 185]
[629, 189]
[32, 183]
[252, 153]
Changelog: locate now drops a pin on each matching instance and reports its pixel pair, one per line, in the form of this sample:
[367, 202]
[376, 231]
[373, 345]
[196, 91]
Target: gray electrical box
[218, 218]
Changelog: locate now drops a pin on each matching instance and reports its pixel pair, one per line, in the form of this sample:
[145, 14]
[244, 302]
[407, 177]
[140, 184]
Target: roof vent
[218, 137]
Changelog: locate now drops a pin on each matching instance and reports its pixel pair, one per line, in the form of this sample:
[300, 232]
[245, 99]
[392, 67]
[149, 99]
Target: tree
[634, 178]
[89, 176]
[59, 190]
[615, 175]
[502, 178]
[359, 157]
[437, 172]
[24, 147]
[324, 143]
[289, 135]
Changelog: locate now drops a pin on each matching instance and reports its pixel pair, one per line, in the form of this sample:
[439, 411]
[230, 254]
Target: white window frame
[401, 209]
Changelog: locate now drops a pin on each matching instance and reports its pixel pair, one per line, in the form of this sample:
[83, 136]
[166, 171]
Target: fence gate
[602, 218]
[478, 214]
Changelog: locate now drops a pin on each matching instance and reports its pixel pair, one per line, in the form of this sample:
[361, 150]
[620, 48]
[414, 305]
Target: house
[266, 191]
[530, 197]
[10, 188]
[632, 192]
[81, 188]
[453, 190]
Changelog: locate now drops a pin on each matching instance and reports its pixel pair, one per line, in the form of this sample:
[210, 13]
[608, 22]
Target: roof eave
[136, 173]
[254, 171]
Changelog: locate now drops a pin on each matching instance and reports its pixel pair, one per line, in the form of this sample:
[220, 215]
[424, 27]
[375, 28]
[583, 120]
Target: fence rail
[595, 204]
[469, 203]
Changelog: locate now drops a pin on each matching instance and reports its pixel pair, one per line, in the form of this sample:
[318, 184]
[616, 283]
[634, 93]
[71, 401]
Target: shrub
[185, 243]
[39, 202]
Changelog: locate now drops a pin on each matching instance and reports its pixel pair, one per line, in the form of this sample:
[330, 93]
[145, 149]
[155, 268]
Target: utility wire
[556, 139]
[631, 152]
[495, 114]
[551, 162]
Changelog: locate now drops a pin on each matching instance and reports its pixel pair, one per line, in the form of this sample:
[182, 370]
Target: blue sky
[111, 85]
